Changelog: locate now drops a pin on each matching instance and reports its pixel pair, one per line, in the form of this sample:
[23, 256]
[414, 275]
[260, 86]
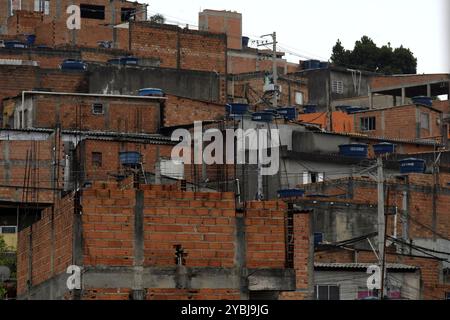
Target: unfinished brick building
[158, 242]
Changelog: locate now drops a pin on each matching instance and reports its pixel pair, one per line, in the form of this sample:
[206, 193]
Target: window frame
[337, 86]
[97, 162]
[368, 124]
[317, 291]
[423, 116]
[97, 104]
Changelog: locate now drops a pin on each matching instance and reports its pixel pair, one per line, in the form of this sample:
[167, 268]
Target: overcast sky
[311, 27]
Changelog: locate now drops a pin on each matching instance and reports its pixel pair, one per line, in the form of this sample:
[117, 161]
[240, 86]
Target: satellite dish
[5, 273]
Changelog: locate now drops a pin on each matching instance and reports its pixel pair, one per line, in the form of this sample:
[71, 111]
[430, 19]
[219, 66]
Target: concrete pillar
[428, 90]
[403, 96]
[370, 98]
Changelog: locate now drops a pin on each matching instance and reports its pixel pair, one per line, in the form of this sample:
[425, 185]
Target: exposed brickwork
[401, 122]
[108, 227]
[110, 157]
[202, 223]
[383, 82]
[184, 111]
[118, 114]
[202, 294]
[43, 244]
[13, 164]
[265, 234]
[179, 48]
[223, 22]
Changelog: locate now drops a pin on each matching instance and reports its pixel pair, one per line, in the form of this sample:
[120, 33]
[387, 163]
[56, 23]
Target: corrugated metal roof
[355, 266]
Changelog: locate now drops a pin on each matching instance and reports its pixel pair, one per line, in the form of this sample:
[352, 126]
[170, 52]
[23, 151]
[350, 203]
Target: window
[42, 6]
[447, 276]
[8, 230]
[447, 296]
[326, 292]
[299, 98]
[96, 159]
[89, 11]
[313, 177]
[368, 124]
[127, 14]
[337, 87]
[425, 121]
[97, 108]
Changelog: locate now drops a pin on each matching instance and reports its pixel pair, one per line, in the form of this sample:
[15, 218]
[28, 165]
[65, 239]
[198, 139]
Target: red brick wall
[110, 157]
[24, 22]
[189, 294]
[393, 81]
[14, 170]
[400, 122]
[265, 234]
[108, 226]
[42, 245]
[179, 48]
[202, 223]
[75, 112]
[28, 78]
[182, 111]
[223, 22]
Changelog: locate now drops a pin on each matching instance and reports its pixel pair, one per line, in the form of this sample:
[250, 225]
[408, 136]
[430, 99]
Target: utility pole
[274, 66]
[381, 220]
[275, 72]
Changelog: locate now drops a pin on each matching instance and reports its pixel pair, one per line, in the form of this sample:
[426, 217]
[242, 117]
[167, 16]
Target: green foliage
[366, 55]
[158, 18]
[8, 261]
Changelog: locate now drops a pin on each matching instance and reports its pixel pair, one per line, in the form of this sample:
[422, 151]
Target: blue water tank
[423, 101]
[310, 108]
[151, 92]
[412, 165]
[72, 64]
[31, 39]
[354, 150]
[245, 41]
[311, 64]
[383, 148]
[262, 116]
[15, 45]
[289, 113]
[318, 238]
[324, 65]
[131, 159]
[290, 193]
[236, 108]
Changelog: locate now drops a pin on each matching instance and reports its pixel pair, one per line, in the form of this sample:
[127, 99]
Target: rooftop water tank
[14, 45]
[289, 113]
[236, 108]
[31, 39]
[412, 165]
[290, 193]
[245, 41]
[423, 101]
[151, 92]
[262, 116]
[383, 148]
[130, 159]
[310, 108]
[72, 64]
[354, 150]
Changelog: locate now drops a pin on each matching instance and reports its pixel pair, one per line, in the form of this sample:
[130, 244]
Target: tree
[158, 18]
[366, 55]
